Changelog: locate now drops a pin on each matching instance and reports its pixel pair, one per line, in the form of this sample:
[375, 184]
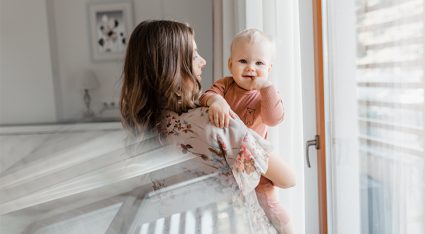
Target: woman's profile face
[198, 63]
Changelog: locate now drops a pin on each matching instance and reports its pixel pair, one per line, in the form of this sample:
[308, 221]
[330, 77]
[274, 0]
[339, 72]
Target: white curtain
[280, 20]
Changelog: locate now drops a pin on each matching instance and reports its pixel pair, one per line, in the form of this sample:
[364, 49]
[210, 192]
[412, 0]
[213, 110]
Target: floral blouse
[237, 154]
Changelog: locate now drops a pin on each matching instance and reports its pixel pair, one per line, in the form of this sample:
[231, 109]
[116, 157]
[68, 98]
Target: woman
[160, 90]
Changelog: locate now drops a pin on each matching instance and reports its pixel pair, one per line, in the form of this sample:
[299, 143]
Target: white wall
[34, 72]
[74, 51]
[26, 88]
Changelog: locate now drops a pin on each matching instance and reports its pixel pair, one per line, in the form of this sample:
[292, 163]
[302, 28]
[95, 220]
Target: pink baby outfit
[257, 109]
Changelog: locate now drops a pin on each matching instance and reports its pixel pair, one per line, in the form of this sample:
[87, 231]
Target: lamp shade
[89, 80]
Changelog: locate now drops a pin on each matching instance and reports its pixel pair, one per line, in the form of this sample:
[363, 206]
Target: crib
[84, 178]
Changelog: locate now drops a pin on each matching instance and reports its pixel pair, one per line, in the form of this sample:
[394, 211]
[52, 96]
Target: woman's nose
[203, 62]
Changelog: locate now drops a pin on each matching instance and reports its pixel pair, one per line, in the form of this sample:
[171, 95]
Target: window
[390, 95]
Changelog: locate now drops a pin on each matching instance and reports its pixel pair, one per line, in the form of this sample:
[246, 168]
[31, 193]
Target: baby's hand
[261, 83]
[220, 113]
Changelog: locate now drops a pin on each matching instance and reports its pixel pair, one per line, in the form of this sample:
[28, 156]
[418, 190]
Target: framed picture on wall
[110, 26]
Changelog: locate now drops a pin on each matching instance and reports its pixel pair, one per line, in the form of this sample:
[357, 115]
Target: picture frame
[110, 27]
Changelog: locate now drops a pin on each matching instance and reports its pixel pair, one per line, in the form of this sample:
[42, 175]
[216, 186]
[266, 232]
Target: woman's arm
[238, 137]
[279, 172]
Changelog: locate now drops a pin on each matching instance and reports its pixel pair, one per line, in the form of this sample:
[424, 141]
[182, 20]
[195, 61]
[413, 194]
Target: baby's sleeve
[272, 111]
[246, 153]
[219, 87]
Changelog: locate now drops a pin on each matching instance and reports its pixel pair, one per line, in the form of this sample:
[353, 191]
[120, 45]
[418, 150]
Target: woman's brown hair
[157, 74]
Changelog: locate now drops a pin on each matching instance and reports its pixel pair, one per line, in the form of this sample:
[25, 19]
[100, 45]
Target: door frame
[320, 115]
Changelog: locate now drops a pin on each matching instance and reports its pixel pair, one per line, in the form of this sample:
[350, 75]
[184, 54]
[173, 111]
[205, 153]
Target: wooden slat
[214, 214]
[182, 225]
[167, 224]
[151, 229]
[128, 210]
[198, 220]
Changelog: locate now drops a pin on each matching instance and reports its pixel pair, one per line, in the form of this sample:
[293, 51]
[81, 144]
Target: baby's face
[250, 61]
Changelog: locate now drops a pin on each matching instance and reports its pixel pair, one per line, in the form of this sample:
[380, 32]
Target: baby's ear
[270, 67]
[229, 64]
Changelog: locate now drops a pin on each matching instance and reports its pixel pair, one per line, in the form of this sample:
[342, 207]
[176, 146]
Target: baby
[250, 95]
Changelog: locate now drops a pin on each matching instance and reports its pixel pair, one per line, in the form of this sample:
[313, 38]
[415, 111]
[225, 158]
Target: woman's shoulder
[190, 122]
[196, 122]
[199, 114]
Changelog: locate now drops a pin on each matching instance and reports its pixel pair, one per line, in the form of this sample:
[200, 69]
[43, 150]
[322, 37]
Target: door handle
[315, 142]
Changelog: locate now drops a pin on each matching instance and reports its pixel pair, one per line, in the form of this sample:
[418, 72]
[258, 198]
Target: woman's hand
[279, 172]
[220, 112]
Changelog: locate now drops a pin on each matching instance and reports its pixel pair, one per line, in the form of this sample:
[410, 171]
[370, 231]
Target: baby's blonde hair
[253, 35]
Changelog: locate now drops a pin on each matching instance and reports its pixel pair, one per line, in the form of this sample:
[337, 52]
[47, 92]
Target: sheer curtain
[376, 74]
[280, 20]
[287, 77]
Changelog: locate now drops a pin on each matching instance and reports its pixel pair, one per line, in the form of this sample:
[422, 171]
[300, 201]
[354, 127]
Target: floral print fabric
[237, 153]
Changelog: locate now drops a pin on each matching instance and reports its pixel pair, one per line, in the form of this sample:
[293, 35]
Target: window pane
[390, 92]
[375, 55]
